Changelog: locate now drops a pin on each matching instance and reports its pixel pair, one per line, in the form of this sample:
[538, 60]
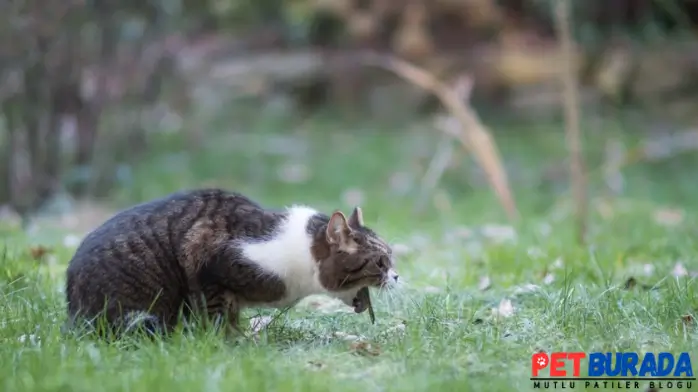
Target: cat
[214, 252]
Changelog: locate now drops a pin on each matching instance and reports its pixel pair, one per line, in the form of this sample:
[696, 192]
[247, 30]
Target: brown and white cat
[218, 249]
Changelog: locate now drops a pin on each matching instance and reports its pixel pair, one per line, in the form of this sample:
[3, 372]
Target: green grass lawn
[460, 259]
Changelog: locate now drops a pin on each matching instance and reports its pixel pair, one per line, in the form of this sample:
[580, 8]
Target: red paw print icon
[538, 361]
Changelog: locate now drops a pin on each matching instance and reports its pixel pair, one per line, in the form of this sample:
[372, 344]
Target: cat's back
[157, 226]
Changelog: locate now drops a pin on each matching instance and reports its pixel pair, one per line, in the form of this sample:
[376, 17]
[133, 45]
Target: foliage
[458, 260]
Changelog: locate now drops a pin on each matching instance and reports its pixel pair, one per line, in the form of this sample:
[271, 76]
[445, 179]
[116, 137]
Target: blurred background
[106, 103]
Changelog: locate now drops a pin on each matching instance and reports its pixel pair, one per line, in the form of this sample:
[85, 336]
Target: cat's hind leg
[144, 322]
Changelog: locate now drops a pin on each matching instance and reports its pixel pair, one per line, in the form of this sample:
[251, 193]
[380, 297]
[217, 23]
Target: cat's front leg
[232, 315]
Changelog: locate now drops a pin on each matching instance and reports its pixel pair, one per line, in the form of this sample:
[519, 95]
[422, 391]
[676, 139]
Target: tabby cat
[217, 252]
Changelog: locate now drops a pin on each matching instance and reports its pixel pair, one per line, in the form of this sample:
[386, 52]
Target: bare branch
[570, 96]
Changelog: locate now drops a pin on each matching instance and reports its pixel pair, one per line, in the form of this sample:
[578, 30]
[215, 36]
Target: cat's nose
[392, 275]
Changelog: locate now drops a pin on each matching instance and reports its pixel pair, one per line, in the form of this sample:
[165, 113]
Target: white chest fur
[287, 254]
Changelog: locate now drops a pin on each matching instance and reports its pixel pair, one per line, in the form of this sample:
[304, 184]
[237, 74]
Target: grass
[436, 333]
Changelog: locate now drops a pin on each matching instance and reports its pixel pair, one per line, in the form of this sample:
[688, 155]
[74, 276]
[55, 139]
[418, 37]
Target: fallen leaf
[315, 365]
[504, 309]
[545, 229]
[631, 283]
[535, 252]
[442, 202]
[258, 323]
[31, 338]
[484, 283]
[558, 264]
[527, 288]
[463, 233]
[365, 349]
[648, 269]
[71, 241]
[346, 336]
[668, 216]
[400, 328]
[325, 304]
[38, 252]
[604, 209]
[499, 233]
[10, 217]
[687, 319]
[314, 304]
[679, 270]
[548, 278]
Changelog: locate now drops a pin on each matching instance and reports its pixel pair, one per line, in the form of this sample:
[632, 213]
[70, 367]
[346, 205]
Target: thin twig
[572, 117]
[435, 171]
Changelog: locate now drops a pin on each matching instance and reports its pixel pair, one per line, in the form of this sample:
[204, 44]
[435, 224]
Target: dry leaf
[535, 252]
[346, 336]
[668, 216]
[679, 270]
[315, 365]
[365, 349]
[442, 202]
[527, 288]
[325, 304]
[10, 217]
[38, 252]
[71, 241]
[631, 283]
[558, 264]
[484, 283]
[33, 339]
[687, 319]
[504, 309]
[548, 278]
[258, 323]
[400, 328]
[648, 269]
[499, 233]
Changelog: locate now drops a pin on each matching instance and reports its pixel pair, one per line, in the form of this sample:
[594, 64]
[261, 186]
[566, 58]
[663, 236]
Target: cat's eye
[381, 262]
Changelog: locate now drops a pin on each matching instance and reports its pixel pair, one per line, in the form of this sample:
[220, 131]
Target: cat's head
[352, 256]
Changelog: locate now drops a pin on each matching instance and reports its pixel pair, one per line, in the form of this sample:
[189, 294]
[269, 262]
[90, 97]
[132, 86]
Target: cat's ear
[338, 231]
[356, 219]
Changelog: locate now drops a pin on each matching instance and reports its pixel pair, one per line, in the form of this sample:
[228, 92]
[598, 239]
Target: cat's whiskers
[390, 294]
